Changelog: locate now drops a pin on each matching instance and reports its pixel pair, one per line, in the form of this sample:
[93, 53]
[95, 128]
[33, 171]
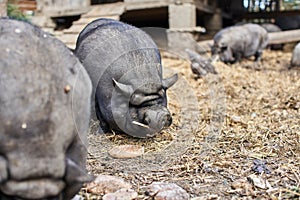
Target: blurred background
[200, 19]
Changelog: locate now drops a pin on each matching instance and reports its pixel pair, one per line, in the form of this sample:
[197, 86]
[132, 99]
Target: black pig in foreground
[295, 61]
[125, 68]
[44, 115]
[236, 42]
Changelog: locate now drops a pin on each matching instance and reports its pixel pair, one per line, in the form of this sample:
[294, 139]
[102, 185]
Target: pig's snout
[158, 119]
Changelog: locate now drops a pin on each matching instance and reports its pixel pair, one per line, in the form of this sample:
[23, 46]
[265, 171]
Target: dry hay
[245, 114]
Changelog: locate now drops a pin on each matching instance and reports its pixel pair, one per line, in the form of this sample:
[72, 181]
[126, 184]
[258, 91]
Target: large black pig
[236, 42]
[125, 68]
[44, 115]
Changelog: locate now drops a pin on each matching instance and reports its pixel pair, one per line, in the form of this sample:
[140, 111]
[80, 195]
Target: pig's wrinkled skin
[295, 61]
[234, 43]
[44, 115]
[125, 68]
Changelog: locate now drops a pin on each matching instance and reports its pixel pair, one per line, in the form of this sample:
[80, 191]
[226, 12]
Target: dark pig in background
[124, 64]
[288, 22]
[272, 28]
[233, 43]
[44, 115]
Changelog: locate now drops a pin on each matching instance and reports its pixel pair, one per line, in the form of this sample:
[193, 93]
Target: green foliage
[14, 12]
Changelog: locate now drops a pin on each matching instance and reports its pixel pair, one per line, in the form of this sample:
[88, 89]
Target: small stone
[236, 118]
[122, 194]
[258, 181]
[253, 115]
[44, 35]
[126, 151]
[165, 191]
[104, 184]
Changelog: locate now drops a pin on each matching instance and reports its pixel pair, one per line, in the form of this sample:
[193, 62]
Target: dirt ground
[235, 135]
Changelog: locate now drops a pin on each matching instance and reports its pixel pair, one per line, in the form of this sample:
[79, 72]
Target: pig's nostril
[147, 120]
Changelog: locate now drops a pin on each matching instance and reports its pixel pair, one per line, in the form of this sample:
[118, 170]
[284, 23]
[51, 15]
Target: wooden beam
[284, 37]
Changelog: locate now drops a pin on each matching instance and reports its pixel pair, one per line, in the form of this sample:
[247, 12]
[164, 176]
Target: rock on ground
[166, 191]
[126, 151]
[122, 194]
[104, 184]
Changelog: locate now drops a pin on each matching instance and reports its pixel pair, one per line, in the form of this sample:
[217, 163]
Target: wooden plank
[106, 10]
[284, 37]
[84, 20]
[59, 12]
[145, 5]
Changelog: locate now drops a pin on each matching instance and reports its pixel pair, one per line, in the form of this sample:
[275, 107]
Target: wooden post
[213, 22]
[182, 16]
[3, 8]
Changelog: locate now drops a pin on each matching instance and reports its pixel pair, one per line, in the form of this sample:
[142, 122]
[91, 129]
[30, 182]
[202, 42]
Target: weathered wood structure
[59, 8]
[182, 19]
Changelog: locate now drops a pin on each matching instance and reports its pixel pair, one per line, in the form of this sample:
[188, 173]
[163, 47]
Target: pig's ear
[127, 90]
[168, 82]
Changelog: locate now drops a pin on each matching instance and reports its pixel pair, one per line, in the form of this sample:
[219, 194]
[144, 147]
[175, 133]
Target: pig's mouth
[33, 189]
[150, 131]
[143, 130]
[149, 126]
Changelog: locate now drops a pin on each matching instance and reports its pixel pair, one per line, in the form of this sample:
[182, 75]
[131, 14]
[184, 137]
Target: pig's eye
[141, 100]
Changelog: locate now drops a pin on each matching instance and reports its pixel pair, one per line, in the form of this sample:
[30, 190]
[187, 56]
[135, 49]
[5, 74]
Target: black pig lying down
[44, 115]
[124, 65]
[236, 42]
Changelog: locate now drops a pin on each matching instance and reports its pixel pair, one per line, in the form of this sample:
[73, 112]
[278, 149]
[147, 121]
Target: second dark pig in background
[234, 43]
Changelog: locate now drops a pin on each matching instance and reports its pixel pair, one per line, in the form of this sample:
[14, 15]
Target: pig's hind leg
[257, 58]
